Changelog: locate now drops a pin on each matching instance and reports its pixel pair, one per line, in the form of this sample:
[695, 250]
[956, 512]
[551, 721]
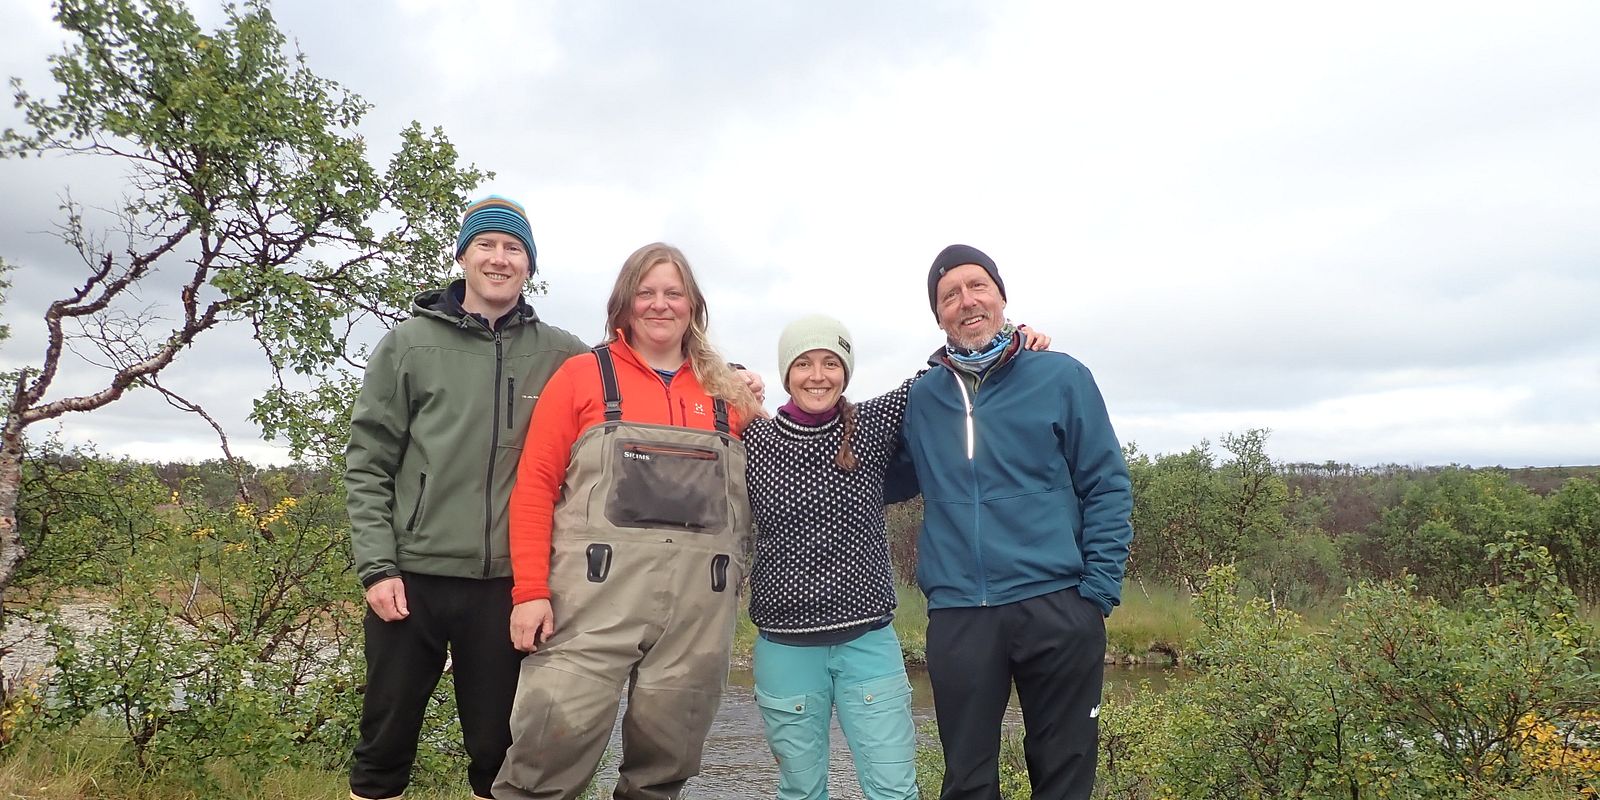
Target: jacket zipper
[666, 392]
[494, 447]
[977, 505]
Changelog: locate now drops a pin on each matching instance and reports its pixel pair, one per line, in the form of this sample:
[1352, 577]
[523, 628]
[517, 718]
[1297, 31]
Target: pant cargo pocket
[797, 729]
[876, 716]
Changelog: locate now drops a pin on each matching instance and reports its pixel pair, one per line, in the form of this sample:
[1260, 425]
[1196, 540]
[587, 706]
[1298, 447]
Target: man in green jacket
[434, 442]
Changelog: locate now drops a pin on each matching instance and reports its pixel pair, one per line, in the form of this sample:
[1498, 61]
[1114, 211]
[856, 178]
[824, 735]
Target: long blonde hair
[709, 366]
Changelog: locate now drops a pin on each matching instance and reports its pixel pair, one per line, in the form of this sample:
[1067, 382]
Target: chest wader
[648, 552]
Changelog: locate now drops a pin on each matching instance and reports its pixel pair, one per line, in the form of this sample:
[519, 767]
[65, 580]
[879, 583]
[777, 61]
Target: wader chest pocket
[664, 485]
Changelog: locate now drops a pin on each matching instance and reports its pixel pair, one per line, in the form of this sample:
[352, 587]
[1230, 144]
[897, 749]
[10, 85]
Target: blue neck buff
[976, 361]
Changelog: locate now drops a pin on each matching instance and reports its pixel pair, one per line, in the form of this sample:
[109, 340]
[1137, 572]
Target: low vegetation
[227, 658]
[1400, 696]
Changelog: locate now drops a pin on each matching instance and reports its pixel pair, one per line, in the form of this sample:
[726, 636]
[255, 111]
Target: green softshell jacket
[436, 434]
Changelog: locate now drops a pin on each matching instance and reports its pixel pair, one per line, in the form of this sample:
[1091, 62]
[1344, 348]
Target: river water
[737, 764]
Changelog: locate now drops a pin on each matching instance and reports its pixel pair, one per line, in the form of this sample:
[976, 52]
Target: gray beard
[974, 343]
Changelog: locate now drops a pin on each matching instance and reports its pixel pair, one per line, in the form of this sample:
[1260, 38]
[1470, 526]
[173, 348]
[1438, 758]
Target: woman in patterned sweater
[822, 591]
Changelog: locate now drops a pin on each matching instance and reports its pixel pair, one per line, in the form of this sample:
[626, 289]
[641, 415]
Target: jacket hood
[444, 304]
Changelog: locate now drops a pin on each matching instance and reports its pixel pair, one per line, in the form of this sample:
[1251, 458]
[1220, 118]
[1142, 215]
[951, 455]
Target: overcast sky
[1371, 227]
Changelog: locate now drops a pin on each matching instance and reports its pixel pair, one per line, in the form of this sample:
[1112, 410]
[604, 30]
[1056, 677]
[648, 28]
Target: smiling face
[971, 308]
[815, 380]
[661, 310]
[496, 265]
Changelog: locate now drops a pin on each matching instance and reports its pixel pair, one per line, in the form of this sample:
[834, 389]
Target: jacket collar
[445, 304]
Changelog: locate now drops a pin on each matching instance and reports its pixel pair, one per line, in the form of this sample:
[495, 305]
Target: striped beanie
[499, 214]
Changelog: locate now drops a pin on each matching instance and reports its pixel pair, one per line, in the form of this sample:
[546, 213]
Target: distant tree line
[1298, 534]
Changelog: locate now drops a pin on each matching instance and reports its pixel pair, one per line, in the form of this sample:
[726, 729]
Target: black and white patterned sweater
[822, 555]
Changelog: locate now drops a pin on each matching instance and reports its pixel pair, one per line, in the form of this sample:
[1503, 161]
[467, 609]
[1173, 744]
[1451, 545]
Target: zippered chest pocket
[667, 485]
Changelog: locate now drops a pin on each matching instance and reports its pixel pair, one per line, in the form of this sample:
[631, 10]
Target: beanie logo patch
[844, 344]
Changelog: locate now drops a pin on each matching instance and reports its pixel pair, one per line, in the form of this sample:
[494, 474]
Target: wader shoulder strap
[608, 383]
[613, 396]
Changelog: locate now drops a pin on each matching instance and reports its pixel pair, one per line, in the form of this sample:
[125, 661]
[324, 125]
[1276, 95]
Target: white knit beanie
[816, 332]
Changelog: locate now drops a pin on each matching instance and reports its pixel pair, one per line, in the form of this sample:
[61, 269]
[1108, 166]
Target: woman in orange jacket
[630, 531]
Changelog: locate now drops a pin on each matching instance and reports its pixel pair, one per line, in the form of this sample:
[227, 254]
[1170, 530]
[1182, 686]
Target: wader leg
[559, 725]
[663, 733]
[678, 684]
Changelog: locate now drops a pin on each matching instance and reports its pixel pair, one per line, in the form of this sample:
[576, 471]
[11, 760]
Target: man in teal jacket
[434, 442]
[1025, 533]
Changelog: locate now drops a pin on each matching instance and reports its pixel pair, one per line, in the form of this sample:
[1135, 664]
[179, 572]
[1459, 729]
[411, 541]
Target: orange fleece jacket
[571, 403]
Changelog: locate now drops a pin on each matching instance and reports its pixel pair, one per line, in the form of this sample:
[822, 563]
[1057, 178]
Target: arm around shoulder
[900, 479]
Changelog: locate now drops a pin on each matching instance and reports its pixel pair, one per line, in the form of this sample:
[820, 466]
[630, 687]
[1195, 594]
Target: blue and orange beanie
[499, 214]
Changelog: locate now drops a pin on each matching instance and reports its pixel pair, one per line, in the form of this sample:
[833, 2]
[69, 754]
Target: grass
[88, 761]
[1152, 619]
[911, 623]
[744, 633]
[1590, 614]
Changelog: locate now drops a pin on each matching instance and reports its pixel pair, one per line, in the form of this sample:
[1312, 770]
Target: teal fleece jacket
[1025, 490]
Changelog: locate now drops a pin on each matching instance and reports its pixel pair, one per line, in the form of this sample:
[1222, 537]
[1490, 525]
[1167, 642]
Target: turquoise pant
[798, 688]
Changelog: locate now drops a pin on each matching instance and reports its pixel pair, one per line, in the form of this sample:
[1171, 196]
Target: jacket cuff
[1088, 593]
[523, 594]
[381, 575]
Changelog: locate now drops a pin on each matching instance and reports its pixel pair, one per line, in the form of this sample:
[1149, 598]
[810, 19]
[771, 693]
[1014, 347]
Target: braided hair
[846, 457]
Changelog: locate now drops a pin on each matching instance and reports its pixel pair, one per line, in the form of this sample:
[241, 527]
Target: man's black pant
[472, 619]
[1053, 647]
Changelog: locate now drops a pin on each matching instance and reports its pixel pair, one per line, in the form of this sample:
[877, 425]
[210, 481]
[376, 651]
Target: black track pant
[1054, 648]
[472, 620]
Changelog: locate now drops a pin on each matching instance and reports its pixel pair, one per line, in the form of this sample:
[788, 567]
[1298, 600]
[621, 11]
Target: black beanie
[954, 256]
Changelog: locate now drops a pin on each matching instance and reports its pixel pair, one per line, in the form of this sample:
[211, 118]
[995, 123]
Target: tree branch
[183, 404]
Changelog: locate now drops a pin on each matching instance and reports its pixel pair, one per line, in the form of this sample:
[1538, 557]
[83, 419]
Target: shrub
[1401, 696]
